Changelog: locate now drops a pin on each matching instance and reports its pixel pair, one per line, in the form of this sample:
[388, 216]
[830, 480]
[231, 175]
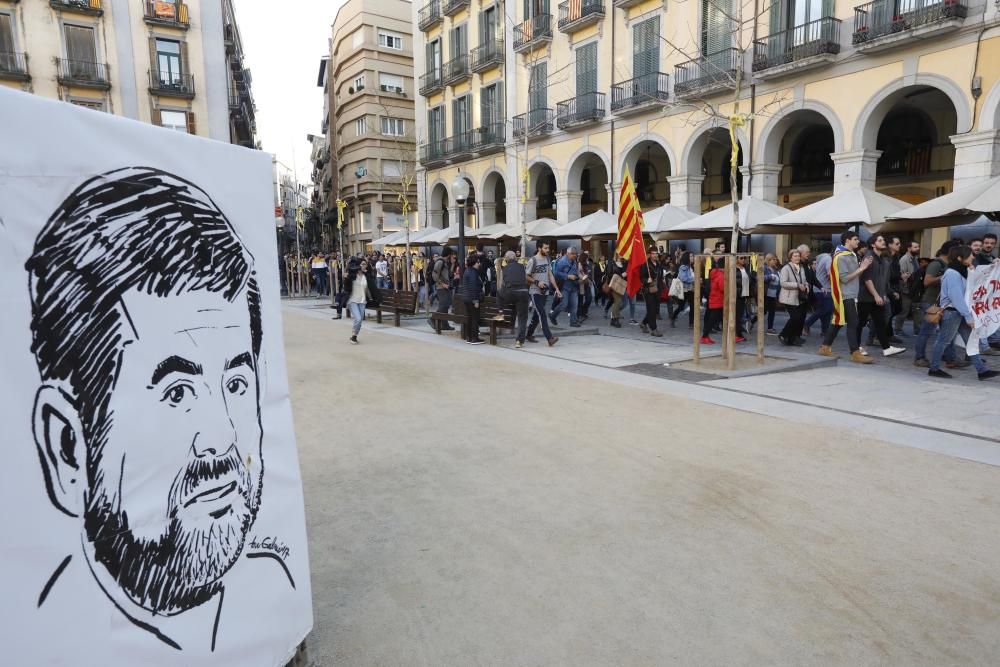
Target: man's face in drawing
[183, 444]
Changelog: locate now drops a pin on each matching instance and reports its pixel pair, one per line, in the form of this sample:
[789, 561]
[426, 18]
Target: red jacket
[717, 288]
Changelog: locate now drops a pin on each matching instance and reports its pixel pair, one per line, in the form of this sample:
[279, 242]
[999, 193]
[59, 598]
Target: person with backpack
[540, 282]
[441, 273]
[470, 290]
[932, 290]
[651, 277]
[512, 289]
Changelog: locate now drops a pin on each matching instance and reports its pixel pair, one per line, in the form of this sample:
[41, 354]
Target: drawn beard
[183, 567]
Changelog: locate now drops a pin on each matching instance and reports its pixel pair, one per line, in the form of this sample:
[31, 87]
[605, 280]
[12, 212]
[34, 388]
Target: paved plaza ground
[575, 505]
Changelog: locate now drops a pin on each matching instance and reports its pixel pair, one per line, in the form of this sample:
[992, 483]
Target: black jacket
[645, 276]
[471, 288]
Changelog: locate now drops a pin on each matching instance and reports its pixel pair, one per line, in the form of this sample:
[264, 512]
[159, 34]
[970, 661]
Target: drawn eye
[237, 386]
[176, 394]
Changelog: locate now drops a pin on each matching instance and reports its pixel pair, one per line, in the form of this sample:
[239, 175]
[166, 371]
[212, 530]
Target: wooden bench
[498, 315]
[397, 302]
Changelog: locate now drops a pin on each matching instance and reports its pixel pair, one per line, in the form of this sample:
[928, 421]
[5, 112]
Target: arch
[577, 163]
[489, 184]
[695, 147]
[633, 146]
[437, 188]
[989, 117]
[534, 168]
[770, 137]
[874, 112]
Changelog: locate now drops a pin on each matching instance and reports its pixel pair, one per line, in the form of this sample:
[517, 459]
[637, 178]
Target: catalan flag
[629, 244]
[836, 289]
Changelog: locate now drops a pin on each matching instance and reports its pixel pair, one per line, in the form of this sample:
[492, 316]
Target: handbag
[933, 314]
[618, 284]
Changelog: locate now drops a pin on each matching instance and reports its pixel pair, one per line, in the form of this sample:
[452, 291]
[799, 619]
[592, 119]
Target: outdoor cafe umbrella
[664, 218]
[396, 238]
[753, 212]
[955, 208]
[442, 236]
[857, 206]
[595, 224]
[497, 231]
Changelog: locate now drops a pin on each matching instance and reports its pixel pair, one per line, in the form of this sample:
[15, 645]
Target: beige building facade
[898, 95]
[170, 63]
[367, 159]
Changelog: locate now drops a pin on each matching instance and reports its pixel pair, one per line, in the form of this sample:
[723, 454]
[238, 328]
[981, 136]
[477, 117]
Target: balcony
[707, 75]
[625, 4]
[452, 7]
[83, 74]
[455, 70]
[798, 49]
[576, 14]
[883, 24]
[167, 14]
[641, 93]
[529, 34]
[168, 84]
[88, 7]
[14, 66]
[430, 83]
[489, 138]
[429, 15]
[488, 55]
[534, 123]
[582, 109]
[444, 151]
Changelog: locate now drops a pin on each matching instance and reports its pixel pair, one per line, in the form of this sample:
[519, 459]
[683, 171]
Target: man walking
[441, 278]
[873, 295]
[567, 274]
[540, 282]
[844, 288]
[382, 272]
[512, 285]
[909, 265]
[824, 301]
[651, 277]
[471, 292]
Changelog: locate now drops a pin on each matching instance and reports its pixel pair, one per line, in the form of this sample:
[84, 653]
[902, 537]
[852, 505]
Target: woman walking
[772, 285]
[686, 275]
[616, 268]
[356, 287]
[716, 300]
[794, 296]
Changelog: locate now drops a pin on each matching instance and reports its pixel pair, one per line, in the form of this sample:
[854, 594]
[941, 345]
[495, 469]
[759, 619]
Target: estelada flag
[629, 244]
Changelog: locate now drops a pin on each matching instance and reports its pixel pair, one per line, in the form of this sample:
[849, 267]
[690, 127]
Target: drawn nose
[218, 434]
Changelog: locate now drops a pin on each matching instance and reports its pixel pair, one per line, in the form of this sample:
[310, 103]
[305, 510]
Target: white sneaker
[863, 351]
[890, 351]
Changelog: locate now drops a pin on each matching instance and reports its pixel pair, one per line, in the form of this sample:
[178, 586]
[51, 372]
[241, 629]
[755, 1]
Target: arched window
[905, 138]
[645, 181]
[810, 156]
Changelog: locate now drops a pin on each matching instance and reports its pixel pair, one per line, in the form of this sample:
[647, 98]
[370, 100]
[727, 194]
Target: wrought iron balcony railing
[803, 41]
[576, 14]
[429, 15]
[535, 30]
[89, 7]
[642, 91]
[172, 84]
[13, 65]
[585, 108]
[171, 14]
[430, 83]
[489, 137]
[487, 55]
[707, 73]
[82, 73]
[535, 122]
[453, 6]
[873, 20]
[455, 70]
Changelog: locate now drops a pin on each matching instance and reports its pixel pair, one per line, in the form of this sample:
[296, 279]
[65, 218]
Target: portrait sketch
[147, 328]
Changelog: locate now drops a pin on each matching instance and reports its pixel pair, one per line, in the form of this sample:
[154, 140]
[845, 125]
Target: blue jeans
[357, 316]
[570, 300]
[953, 324]
[383, 283]
[823, 312]
[924, 335]
[538, 314]
[630, 302]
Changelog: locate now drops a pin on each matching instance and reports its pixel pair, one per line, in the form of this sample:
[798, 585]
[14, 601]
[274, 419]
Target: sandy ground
[466, 510]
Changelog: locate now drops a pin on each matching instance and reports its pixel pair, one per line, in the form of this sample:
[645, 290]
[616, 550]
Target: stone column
[854, 169]
[435, 218]
[568, 203]
[764, 182]
[614, 191]
[685, 192]
[977, 157]
[530, 208]
[487, 213]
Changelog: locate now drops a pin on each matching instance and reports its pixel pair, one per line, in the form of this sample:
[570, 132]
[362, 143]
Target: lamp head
[460, 188]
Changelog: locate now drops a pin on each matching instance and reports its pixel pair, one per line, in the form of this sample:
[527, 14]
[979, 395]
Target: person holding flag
[845, 272]
[629, 244]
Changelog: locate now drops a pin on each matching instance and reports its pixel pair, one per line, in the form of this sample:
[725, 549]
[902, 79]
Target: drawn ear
[61, 448]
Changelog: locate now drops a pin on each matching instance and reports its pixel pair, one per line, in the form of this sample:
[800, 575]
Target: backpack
[439, 268]
[916, 285]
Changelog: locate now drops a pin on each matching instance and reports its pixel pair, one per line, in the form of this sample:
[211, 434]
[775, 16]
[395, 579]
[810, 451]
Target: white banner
[982, 293]
[153, 510]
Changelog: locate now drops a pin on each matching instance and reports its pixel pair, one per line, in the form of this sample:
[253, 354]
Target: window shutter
[190, 122]
[537, 88]
[429, 55]
[716, 30]
[483, 36]
[646, 47]
[80, 44]
[155, 117]
[154, 64]
[184, 58]
[586, 69]
[6, 34]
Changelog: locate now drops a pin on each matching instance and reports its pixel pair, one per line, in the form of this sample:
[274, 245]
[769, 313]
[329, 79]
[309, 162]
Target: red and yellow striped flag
[629, 243]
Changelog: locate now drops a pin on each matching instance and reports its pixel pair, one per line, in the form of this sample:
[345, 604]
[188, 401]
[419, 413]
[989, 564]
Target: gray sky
[283, 43]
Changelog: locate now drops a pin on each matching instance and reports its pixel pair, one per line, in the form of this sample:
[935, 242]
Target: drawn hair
[135, 228]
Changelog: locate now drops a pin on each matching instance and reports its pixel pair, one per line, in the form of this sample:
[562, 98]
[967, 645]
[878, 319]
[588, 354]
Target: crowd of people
[870, 288]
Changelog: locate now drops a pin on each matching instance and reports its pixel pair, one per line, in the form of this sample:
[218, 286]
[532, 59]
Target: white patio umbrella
[665, 218]
[396, 238]
[497, 231]
[857, 206]
[753, 212]
[955, 208]
[594, 224]
[417, 237]
[443, 236]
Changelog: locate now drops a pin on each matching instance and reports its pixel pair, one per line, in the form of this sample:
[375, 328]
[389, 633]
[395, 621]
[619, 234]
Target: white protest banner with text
[982, 293]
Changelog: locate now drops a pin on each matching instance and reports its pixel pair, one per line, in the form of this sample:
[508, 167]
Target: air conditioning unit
[361, 171]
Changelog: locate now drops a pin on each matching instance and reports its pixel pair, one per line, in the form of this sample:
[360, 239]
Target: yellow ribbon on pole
[754, 262]
[735, 121]
[524, 179]
[708, 266]
[341, 205]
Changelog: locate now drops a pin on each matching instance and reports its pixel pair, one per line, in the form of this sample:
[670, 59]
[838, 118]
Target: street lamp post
[460, 187]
